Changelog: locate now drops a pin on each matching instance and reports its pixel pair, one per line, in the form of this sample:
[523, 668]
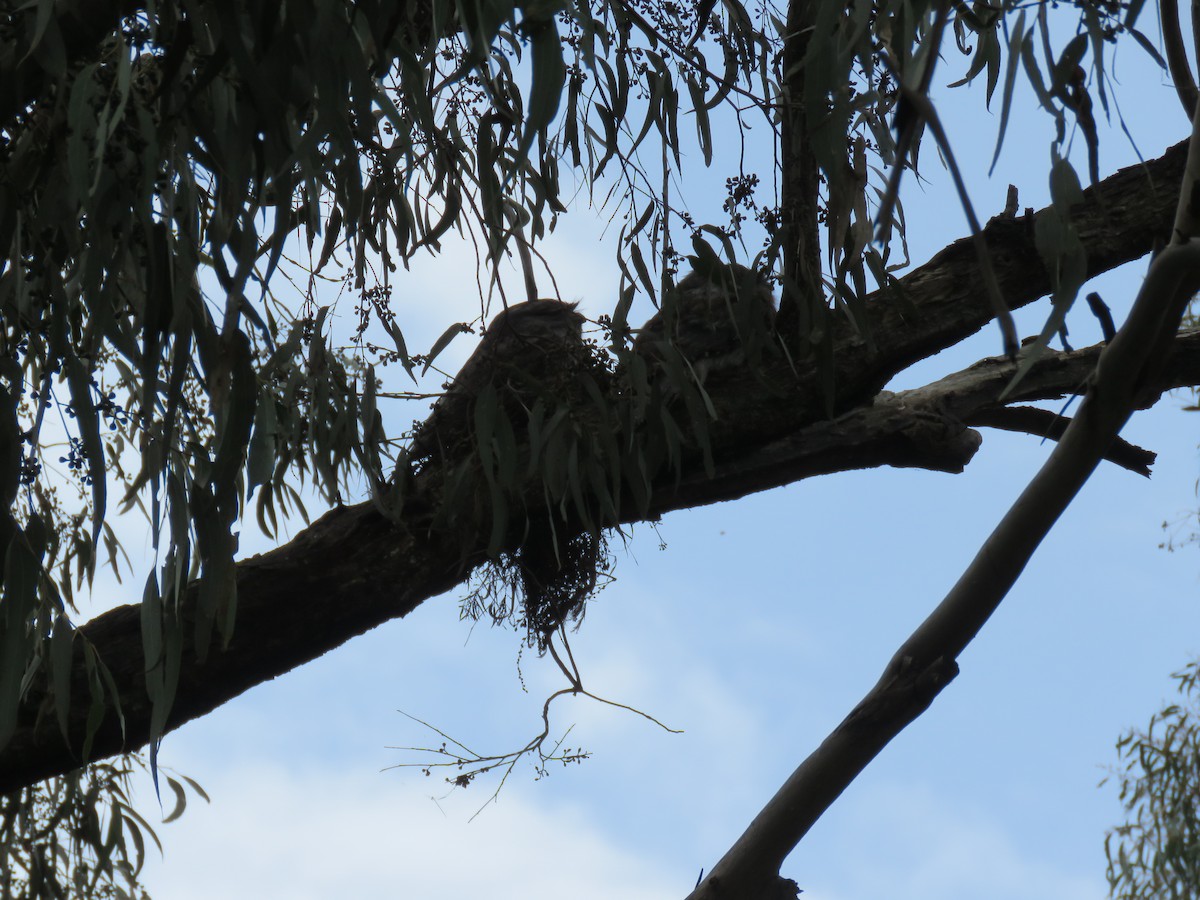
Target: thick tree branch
[351, 570]
[942, 302]
[800, 185]
[939, 304]
[924, 427]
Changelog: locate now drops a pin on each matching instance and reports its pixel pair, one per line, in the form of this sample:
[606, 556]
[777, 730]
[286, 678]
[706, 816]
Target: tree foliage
[1156, 853]
[164, 167]
[80, 835]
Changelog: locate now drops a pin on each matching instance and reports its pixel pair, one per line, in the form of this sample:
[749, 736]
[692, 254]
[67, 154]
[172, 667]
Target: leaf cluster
[159, 180]
[78, 837]
[147, 196]
[1156, 853]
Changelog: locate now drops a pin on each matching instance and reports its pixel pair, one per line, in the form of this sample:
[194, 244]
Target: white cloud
[274, 832]
[903, 842]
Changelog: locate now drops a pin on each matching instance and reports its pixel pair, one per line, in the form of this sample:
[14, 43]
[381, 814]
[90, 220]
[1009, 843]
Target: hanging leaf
[88, 421]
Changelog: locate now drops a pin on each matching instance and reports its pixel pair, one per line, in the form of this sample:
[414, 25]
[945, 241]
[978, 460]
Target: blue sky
[755, 631]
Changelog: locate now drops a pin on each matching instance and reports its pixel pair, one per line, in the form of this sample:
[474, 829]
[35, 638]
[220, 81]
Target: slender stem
[1177, 61]
[1008, 329]
[803, 298]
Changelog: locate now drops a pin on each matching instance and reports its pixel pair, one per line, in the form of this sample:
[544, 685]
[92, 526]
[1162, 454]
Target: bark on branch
[352, 570]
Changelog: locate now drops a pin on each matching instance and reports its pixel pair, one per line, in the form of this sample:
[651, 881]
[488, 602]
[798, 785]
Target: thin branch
[1177, 61]
[688, 56]
[1044, 423]
[909, 118]
[1196, 28]
[925, 111]
[471, 764]
[632, 709]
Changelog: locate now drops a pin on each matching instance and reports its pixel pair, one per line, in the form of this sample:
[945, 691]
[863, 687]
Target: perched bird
[716, 319]
[532, 357]
[527, 347]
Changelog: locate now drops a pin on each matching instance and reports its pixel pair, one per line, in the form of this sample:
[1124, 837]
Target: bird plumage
[715, 319]
[525, 346]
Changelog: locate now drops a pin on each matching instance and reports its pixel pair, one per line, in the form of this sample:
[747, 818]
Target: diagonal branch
[927, 661]
[352, 570]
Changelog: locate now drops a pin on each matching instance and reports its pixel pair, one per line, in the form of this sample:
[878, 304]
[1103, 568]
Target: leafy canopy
[160, 169]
